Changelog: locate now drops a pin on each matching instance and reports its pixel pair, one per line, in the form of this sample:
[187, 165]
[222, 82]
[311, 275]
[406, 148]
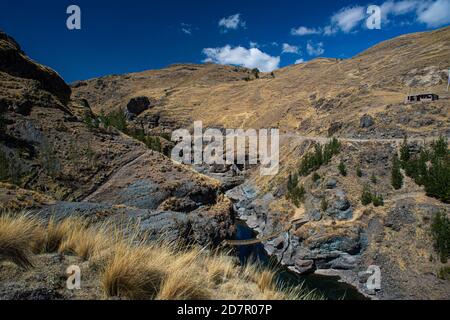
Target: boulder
[331, 184]
[138, 105]
[304, 266]
[366, 121]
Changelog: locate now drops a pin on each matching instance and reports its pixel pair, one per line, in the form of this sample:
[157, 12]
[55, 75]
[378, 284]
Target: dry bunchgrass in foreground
[19, 236]
[129, 267]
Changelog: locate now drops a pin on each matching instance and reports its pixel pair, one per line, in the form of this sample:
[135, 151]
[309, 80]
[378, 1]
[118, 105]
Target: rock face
[63, 166]
[139, 104]
[366, 121]
[14, 63]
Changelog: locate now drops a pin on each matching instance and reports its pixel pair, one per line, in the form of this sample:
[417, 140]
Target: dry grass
[129, 267]
[19, 236]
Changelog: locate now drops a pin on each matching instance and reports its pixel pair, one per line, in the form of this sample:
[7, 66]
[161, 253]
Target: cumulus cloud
[232, 22]
[287, 48]
[315, 49]
[304, 31]
[436, 14]
[240, 56]
[433, 13]
[254, 44]
[347, 19]
[299, 61]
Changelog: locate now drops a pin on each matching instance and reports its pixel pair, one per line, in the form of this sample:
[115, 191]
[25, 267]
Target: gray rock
[304, 266]
[331, 184]
[138, 105]
[315, 215]
[366, 121]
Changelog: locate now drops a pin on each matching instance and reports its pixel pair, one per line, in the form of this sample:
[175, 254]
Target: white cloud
[287, 48]
[249, 58]
[436, 14]
[254, 44]
[315, 49]
[347, 19]
[186, 28]
[299, 61]
[232, 22]
[304, 31]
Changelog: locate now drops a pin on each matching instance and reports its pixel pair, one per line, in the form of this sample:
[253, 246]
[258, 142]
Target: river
[328, 287]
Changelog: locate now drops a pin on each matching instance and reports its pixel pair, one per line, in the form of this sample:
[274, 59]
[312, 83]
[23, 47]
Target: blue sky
[134, 35]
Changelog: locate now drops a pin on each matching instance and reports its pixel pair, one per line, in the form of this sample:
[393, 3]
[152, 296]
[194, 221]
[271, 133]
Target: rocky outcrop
[14, 62]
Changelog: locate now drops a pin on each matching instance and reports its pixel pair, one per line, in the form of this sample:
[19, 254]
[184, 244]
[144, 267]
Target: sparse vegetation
[440, 230]
[396, 174]
[444, 273]
[296, 193]
[377, 200]
[322, 155]
[366, 197]
[431, 168]
[342, 168]
[130, 267]
[373, 178]
[19, 236]
[359, 172]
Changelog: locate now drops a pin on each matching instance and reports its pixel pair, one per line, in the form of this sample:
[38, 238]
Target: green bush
[440, 230]
[396, 175]
[431, 168]
[90, 121]
[444, 273]
[295, 193]
[118, 120]
[342, 168]
[321, 155]
[366, 197]
[405, 154]
[377, 200]
[359, 172]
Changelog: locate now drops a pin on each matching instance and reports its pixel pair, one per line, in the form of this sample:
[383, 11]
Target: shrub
[373, 178]
[90, 121]
[315, 177]
[377, 200]
[405, 154]
[366, 197]
[444, 273]
[116, 119]
[431, 168]
[440, 230]
[342, 168]
[396, 175]
[321, 155]
[359, 171]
